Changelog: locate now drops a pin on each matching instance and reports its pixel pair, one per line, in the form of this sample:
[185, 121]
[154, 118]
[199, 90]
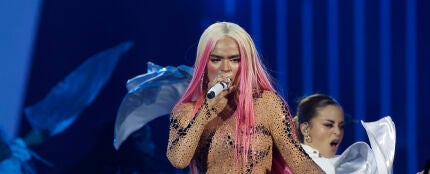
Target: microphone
[215, 90]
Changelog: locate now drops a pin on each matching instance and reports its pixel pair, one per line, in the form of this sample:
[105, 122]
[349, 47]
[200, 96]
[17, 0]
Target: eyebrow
[229, 57]
[331, 121]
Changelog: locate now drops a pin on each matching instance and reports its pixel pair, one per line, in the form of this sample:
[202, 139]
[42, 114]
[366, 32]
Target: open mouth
[334, 143]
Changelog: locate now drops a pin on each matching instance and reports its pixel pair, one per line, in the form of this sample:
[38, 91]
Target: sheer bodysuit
[210, 139]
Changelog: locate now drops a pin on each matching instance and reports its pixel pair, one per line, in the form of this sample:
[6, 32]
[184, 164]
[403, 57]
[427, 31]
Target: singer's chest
[219, 136]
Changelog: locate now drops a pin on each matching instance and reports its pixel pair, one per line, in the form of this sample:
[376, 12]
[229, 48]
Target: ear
[303, 128]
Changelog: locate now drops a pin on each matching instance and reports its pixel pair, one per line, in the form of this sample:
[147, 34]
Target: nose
[225, 66]
[337, 131]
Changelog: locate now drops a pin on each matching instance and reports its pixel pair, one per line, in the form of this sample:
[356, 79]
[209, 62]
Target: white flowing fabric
[150, 96]
[377, 159]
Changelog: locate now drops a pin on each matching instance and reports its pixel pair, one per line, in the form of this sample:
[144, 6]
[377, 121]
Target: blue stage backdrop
[372, 56]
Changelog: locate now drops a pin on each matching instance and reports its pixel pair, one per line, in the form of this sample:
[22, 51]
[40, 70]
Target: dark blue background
[167, 32]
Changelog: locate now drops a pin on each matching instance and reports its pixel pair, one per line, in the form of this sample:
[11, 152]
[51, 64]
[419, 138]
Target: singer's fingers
[231, 88]
[219, 101]
[225, 78]
[214, 81]
[219, 78]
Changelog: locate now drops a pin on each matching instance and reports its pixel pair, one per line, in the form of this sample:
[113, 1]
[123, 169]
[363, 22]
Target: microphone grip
[215, 90]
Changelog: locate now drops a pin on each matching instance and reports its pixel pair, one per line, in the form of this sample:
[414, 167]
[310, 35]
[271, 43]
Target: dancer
[320, 121]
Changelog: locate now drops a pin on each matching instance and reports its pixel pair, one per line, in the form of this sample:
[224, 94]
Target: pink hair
[252, 75]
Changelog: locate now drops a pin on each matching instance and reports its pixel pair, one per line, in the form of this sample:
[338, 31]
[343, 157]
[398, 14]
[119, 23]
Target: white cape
[377, 159]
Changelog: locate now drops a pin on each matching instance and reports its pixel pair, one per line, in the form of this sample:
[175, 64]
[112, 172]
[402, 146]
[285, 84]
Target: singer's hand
[220, 78]
[220, 101]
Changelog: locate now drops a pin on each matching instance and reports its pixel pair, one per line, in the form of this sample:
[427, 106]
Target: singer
[246, 127]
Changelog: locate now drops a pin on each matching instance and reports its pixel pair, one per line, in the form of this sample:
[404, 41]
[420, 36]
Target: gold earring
[308, 139]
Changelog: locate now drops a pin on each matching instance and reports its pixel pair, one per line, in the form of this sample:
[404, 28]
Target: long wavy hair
[252, 76]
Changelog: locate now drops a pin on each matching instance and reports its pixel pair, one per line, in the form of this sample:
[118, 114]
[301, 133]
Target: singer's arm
[186, 130]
